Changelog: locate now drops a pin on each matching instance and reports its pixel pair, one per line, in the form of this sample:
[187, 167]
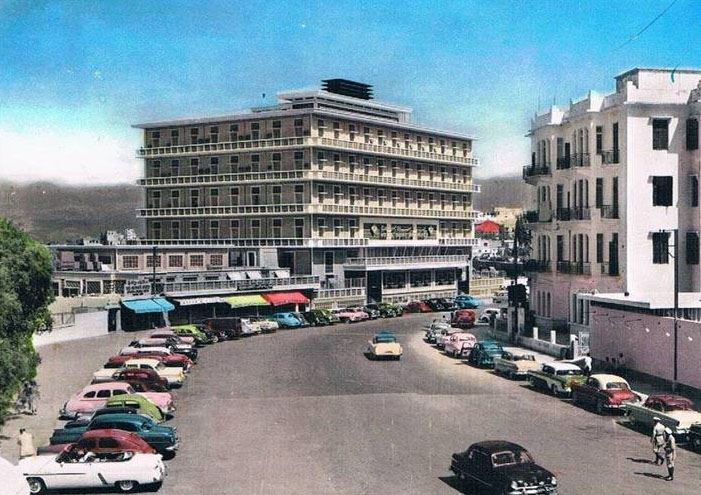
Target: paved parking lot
[304, 412]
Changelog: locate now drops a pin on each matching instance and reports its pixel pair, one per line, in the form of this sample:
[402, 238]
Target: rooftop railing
[239, 285]
[407, 260]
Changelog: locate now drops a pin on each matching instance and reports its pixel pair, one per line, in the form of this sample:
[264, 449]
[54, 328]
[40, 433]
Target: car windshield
[385, 339]
[617, 386]
[508, 458]
[568, 372]
[524, 357]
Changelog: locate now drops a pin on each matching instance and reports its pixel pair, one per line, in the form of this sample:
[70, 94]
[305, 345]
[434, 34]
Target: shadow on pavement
[455, 483]
[640, 461]
[652, 475]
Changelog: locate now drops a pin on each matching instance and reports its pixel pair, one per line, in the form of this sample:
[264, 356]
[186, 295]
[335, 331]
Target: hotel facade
[328, 191]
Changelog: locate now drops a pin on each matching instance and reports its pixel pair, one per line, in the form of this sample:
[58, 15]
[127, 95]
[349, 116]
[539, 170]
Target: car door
[481, 468]
[591, 390]
[71, 474]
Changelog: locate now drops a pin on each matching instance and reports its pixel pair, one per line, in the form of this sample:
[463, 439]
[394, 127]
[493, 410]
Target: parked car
[201, 338]
[417, 307]
[674, 411]
[169, 359]
[265, 325]
[694, 436]
[168, 343]
[513, 365]
[372, 311]
[303, 322]
[435, 329]
[484, 352]
[216, 335]
[360, 312]
[467, 302]
[317, 317]
[349, 316]
[102, 442]
[231, 326]
[501, 298]
[93, 397]
[385, 310]
[286, 320]
[444, 335]
[167, 333]
[135, 403]
[146, 375]
[448, 303]
[463, 318]
[249, 327]
[162, 438]
[556, 377]
[604, 392]
[333, 317]
[163, 400]
[174, 376]
[125, 471]
[489, 313]
[503, 468]
[456, 343]
[436, 304]
[384, 345]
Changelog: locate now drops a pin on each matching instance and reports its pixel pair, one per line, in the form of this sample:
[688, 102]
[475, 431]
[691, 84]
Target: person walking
[31, 394]
[670, 453]
[658, 441]
[26, 444]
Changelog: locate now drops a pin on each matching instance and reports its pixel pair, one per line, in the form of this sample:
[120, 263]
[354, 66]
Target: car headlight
[514, 485]
[553, 480]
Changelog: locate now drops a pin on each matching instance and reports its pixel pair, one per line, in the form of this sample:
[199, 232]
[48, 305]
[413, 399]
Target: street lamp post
[675, 315]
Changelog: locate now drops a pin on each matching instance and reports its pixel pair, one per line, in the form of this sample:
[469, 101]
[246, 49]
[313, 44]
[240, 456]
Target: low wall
[542, 346]
[647, 344]
[92, 324]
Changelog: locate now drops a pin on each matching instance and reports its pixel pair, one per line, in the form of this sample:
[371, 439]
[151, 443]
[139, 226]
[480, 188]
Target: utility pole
[676, 307]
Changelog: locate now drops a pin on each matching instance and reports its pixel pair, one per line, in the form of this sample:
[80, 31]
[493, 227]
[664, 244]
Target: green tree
[25, 292]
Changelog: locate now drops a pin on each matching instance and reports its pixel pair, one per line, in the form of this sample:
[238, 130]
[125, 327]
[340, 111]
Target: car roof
[129, 397]
[563, 366]
[108, 432]
[104, 386]
[126, 418]
[606, 378]
[493, 446]
[670, 398]
[151, 361]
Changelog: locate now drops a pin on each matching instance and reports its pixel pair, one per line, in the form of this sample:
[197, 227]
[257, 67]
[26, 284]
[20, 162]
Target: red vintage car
[109, 441]
[144, 375]
[174, 360]
[603, 392]
[417, 307]
[463, 318]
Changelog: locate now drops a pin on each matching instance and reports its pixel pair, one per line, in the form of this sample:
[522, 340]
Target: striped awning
[191, 301]
[246, 301]
[150, 305]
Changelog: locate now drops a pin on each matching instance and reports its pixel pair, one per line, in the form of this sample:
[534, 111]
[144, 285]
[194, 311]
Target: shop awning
[280, 298]
[236, 275]
[245, 301]
[254, 275]
[151, 305]
[280, 274]
[191, 301]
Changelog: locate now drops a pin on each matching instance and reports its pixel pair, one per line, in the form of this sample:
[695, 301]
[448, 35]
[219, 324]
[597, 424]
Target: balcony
[569, 214]
[297, 142]
[538, 266]
[581, 160]
[610, 157]
[230, 286]
[382, 211]
[302, 242]
[610, 269]
[534, 216]
[563, 162]
[297, 175]
[406, 262]
[574, 268]
[535, 171]
[608, 211]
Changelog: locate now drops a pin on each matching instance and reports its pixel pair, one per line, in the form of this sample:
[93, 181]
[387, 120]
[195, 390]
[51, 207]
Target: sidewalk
[65, 368]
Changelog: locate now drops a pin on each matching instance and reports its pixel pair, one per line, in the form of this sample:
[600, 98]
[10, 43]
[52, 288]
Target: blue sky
[74, 75]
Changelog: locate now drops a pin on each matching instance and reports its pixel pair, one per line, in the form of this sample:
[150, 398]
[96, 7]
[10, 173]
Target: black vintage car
[502, 468]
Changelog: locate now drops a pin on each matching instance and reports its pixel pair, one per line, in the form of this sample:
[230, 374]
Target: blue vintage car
[483, 353]
[287, 320]
[467, 302]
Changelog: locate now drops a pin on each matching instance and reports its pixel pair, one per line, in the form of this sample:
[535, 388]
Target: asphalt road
[304, 412]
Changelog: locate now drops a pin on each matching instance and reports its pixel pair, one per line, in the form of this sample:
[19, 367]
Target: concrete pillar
[553, 337]
[535, 333]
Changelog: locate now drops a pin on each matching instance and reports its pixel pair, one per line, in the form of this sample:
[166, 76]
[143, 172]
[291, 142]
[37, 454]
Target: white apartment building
[614, 175]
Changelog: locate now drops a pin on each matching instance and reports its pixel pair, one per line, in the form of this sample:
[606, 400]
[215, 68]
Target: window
[255, 229]
[692, 248]
[694, 190]
[352, 226]
[599, 139]
[101, 394]
[599, 197]
[235, 231]
[321, 225]
[337, 194]
[662, 191]
[299, 227]
[255, 131]
[174, 167]
[175, 229]
[660, 248]
[175, 261]
[214, 134]
[214, 229]
[277, 157]
[277, 195]
[320, 127]
[599, 248]
[174, 137]
[692, 134]
[197, 260]
[337, 226]
[299, 159]
[156, 168]
[130, 262]
[328, 261]
[214, 165]
[194, 197]
[214, 197]
[150, 259]
[277, 227]
[194, 230]
[234, 196]
[255, 195]
[299, 193]
[660, 134]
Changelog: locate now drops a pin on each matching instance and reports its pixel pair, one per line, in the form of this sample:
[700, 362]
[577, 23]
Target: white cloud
[69, 156]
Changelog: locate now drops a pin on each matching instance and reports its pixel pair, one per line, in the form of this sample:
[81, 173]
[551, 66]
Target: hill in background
[58, 213]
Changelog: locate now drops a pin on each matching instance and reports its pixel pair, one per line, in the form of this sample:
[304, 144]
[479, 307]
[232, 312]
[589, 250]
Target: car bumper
[172, 448]
[533, 490]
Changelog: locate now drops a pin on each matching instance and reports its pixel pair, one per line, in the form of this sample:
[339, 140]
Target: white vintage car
[125, 471]
[250, 327]
[674, 411]
[457, 341]
[384, 345]
[513, 365]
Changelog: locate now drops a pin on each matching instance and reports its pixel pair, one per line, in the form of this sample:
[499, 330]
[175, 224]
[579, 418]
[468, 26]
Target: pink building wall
[647, 343]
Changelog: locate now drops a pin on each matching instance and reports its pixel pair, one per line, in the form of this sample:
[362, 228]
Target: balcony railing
[391, 211]
[610, 269]
[608, 211]
[536, 171]
[610, 157]
[340, 293]
[563, 162]
[296, 142]
[568, 214]
[581, 160]
[407, 260]
[538, 266]
[534, 216]
[574, 268]
[296, 175]
[240, 285]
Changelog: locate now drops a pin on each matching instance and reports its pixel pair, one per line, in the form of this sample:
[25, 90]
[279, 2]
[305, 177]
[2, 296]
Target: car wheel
[126, 486]
[553, 390]
[696, 443]
[599, 407]
[510, 375]
[36, 485]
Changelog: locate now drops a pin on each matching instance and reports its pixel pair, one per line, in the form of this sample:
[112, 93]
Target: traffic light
[517, 294]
